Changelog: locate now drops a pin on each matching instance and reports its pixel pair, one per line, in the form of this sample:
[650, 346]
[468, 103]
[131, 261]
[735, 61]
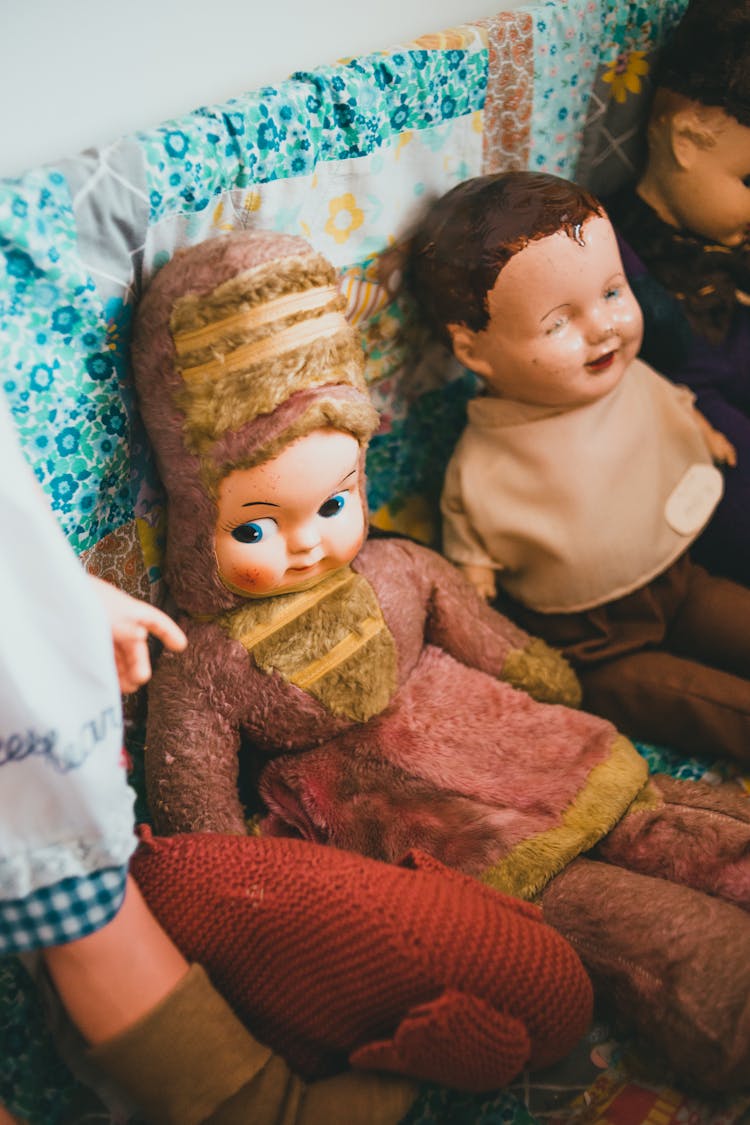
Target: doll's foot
[675, 962]
[688, 832]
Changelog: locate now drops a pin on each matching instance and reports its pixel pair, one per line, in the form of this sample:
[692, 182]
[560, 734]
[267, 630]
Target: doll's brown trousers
[669, 663]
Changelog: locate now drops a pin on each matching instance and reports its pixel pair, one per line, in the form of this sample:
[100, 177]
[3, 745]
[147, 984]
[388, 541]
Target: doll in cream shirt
[582, 477]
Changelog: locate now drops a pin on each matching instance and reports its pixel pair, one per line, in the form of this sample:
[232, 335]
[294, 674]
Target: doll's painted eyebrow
[556, 308]
[346, 478]
[270, 504]
[617, 278]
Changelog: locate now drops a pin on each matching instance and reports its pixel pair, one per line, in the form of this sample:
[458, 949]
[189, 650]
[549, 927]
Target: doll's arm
[482, 578]
[461, 544]
[719, 446]
[459, 621]
[193, 740]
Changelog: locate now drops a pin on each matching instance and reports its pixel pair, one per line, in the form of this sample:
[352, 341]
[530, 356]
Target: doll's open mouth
[602, 362]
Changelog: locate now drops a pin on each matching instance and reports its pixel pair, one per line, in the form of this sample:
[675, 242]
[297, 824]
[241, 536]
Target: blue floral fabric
[60, 365]
[332, 113]
[345, 156]
[573, 41]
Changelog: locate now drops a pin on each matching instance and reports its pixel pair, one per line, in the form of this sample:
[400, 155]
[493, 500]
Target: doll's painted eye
[254, 531]
[555, 325]
[332, 506]
[612, 292]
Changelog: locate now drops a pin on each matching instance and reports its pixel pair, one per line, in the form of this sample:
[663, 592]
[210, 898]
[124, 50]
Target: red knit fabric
[331, 958]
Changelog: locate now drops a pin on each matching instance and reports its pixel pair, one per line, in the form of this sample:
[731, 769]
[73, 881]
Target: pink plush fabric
[459, 764]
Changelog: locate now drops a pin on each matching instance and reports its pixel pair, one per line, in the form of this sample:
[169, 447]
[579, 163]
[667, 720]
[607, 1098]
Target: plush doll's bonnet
[240, 346]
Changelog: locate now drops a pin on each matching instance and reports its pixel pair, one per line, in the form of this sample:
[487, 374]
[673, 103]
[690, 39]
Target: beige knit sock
[190, 1060]
[277, 1097]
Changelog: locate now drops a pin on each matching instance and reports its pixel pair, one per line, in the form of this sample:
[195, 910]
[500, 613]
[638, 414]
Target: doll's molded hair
[475, 229]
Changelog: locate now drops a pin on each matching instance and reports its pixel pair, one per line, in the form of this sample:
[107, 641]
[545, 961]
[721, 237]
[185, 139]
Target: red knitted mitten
[490, 1041]
[329, 957]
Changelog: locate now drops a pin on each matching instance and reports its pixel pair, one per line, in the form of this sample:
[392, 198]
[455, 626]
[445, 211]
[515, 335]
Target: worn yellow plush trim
[289, 304]
[544, 673]
[284, 340]
[336, 647]
[214, 404]
[255, 286]
[647, 799]
[255, 340]
[287, 611]
[356, 640]
[611, 788]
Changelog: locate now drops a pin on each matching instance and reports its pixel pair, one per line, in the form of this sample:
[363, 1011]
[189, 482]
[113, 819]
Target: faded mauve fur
[467, 755]
[675, 962]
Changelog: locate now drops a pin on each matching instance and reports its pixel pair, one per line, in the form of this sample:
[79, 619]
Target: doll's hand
[131, 621]
[721, 449]
[543, 673]
[482, 579]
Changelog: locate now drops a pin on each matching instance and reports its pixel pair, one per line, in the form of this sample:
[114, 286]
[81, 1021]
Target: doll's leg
[659, 697]
[669, 663]
[713, 622]
[675, 963]
[688, 832]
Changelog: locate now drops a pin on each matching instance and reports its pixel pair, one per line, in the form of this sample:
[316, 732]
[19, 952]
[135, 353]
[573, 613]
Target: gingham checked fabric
[62, 912]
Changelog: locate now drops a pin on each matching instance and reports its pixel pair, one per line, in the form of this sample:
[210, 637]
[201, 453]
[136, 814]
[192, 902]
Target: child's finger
[164, 628]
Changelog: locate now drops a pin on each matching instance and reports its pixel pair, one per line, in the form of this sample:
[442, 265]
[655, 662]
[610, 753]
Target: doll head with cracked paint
[521, 274]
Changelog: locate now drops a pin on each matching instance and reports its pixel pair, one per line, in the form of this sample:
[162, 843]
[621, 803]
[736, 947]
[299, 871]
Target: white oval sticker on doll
[691, 502]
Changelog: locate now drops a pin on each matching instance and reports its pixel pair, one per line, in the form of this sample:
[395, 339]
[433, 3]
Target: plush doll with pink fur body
[386, 706]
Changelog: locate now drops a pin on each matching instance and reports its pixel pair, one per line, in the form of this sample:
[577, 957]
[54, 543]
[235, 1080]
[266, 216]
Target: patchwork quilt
[345, 155]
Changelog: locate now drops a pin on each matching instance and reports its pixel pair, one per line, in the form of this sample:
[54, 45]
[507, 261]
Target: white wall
[76, 73]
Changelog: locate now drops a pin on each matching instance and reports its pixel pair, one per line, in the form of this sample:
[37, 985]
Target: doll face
[710, 194]
[564, 324]
[286, 523]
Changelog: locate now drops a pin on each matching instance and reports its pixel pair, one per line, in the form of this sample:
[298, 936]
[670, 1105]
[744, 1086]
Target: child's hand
[482, 579]
[721, 449]
[131, 621]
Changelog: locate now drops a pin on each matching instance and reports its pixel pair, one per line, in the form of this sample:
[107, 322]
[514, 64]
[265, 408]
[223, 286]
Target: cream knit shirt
[575, 508]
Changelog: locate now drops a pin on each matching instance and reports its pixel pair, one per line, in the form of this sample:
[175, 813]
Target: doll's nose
[600, 327]
[304, 537]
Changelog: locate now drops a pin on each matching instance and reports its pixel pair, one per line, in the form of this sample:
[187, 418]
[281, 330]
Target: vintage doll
[687, 217]
[582, 477]
[384, 706]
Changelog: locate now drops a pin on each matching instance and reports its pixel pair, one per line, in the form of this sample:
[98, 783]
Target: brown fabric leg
[672, 701]
[713, 623]
[676, 964]
[669, 663]
[627, 625]
[697, 834]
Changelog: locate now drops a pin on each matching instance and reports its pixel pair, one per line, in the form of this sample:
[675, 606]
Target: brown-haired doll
[583, 477]
[385, 706]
